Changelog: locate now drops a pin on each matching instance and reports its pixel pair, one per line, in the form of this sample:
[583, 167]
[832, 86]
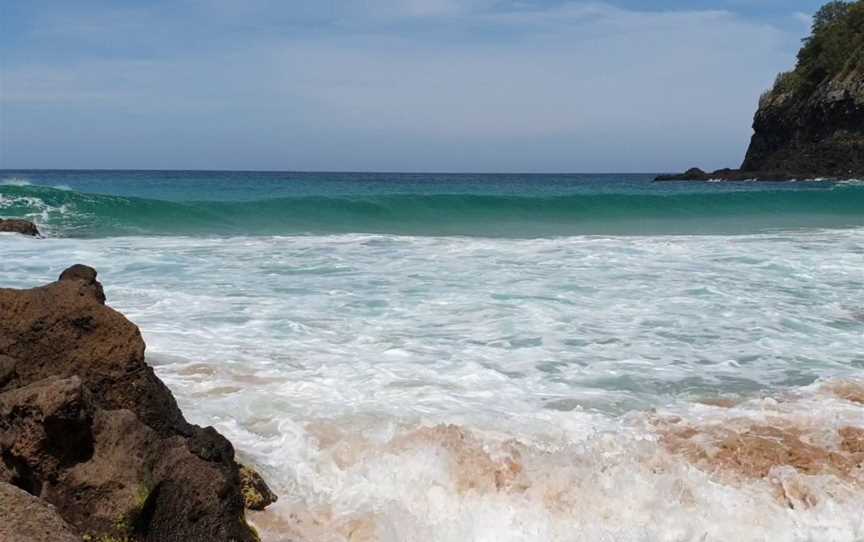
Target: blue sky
[388, 85]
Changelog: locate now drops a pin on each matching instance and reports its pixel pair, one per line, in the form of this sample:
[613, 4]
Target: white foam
[14, 181]
[594, 479]
[330, 360]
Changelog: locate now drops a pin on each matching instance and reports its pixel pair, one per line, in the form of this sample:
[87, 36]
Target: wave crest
[71, 213]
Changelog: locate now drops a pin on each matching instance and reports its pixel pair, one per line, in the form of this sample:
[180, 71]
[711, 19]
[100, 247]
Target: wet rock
[17, 225]
[87, 426]
[256, 493]
[847, 390]
[757, 450]
[852, 441]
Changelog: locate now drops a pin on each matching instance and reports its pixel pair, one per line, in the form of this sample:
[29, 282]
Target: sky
[389, 85]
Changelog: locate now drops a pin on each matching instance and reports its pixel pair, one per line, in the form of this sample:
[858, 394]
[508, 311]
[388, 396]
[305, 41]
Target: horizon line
[311, 171]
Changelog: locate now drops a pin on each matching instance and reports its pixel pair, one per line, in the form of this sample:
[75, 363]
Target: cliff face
[817, 134]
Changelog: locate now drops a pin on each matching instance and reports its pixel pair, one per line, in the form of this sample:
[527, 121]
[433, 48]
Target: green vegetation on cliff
[835, 48]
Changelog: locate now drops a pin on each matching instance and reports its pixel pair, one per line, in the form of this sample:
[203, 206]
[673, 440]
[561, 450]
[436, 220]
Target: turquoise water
[108, 203]
[486, 358]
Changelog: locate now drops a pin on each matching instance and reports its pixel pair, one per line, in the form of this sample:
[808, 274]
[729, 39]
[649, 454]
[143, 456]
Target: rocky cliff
[811, 123]
[88, 429]
[815, 134]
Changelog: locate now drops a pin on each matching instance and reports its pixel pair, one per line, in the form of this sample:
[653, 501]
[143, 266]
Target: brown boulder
[87, 426]
[17, 225]
[24, 517]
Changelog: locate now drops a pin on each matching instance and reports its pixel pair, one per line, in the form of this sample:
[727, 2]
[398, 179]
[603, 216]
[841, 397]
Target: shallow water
[560, 388]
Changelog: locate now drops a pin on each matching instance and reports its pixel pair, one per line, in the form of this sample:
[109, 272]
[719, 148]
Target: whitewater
[493, 358]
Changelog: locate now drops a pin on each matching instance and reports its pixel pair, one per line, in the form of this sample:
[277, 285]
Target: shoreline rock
[86, 426]
[696, 174]
[18, 225]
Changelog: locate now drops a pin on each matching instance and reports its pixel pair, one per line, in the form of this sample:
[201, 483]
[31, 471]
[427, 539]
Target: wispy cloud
[422, 84]
[805, 18]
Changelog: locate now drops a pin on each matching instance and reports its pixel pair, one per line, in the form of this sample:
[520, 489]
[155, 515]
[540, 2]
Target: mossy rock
[257, 495]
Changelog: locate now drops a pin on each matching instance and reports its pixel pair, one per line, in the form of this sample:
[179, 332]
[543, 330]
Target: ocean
[441, 357]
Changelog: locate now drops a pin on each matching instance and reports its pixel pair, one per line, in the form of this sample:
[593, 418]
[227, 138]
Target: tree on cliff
[829, 14]
[836, 46]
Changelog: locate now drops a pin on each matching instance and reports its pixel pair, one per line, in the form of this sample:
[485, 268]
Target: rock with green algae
[257, 495]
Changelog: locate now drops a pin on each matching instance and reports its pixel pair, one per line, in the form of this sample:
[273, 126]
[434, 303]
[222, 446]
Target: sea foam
[402, 388]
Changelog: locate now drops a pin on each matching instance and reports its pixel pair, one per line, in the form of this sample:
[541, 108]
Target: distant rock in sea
[88, 429]
[17, 225]
[726, 174]
[810, 125]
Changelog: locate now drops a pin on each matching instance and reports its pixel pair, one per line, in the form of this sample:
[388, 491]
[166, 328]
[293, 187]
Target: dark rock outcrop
[820, 134]
[692, 174]
[87, 426]
[811, 123]
[17, 225]
[726, 174]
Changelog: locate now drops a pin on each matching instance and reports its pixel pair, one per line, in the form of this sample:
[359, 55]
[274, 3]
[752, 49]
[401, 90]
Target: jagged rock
[17, 225]
[87, 426]
[256, 493]
[25, 518]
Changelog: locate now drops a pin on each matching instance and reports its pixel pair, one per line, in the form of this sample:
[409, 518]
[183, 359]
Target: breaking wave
[65, 212]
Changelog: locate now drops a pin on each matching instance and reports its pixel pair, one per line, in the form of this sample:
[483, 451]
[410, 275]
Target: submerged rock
[87, 426]
[17, 225]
